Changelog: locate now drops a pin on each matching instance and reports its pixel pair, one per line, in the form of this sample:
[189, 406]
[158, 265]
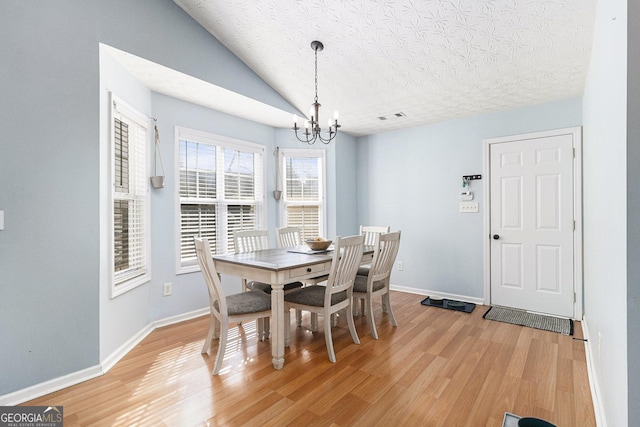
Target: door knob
[496, 237]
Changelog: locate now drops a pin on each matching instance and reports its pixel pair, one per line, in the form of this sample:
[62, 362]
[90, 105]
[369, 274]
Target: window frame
[121, 110]
[322, 185]
[220, 142]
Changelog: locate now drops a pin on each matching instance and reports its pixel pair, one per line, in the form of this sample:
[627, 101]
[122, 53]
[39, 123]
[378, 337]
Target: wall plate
[468, 207]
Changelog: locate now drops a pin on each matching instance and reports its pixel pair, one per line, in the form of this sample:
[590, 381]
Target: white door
[532, 222]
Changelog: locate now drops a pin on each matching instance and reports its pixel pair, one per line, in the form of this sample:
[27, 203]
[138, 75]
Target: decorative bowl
[318, 245]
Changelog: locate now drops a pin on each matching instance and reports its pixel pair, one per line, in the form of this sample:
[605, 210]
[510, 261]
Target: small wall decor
[157, 181]
[277, 193]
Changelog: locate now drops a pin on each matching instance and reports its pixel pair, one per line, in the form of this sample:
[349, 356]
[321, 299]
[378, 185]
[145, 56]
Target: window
[303, 191]
[129, 198]
[221, 190]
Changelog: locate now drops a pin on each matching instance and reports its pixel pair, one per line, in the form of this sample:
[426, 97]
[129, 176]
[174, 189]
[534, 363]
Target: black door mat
[449, 304]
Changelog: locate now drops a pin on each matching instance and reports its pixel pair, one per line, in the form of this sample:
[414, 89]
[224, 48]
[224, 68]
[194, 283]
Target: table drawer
[311, 269]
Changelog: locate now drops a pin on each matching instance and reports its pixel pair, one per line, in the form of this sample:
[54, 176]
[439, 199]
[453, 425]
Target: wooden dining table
[279, 267]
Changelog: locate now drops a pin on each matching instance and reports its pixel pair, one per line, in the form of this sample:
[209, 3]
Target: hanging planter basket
[157, 181]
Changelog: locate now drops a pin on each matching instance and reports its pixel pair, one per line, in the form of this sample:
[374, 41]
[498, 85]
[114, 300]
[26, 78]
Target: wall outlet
[167, 289]
[400, 266]
[468, 207]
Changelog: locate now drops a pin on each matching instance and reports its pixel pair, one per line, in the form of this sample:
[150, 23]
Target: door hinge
[575, 297]
[574, 225]
[574, 153]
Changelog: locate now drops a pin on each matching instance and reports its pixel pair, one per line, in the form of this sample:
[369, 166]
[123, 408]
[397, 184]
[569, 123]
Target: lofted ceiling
[409, 62]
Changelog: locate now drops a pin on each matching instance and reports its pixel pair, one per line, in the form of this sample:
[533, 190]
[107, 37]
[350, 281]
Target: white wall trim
[50, 386]
[181, 318]
[41, 389]
[110, 361]
[598, 409]
[426, 293]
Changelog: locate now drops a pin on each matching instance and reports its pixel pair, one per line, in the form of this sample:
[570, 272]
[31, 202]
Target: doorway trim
[576, 132]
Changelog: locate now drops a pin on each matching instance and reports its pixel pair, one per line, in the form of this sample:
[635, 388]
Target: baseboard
[38, 390]
[110, 361]
[601, 420]
[181, 318]
[436, 294]
[44, 388]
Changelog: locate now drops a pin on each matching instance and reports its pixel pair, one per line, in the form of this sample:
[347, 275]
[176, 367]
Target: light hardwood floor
[437, 368]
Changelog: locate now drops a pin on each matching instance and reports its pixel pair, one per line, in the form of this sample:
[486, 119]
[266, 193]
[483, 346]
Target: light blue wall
[605, 210]
[411, 180]
[55, 314]
[346, 186]
[49, 249]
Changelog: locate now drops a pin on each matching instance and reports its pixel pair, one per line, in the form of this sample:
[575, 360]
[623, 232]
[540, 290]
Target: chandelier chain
[316, 99]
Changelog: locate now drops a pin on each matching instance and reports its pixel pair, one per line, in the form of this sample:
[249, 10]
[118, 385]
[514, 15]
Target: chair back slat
[211, 277]
[250, 240]
[371, 231]
[384, 256]
[346, 259]
[288, 237]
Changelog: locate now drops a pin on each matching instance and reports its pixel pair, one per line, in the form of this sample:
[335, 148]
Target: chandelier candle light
[312, 130]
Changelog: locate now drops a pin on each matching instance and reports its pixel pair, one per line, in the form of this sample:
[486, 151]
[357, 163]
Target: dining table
[279, 267]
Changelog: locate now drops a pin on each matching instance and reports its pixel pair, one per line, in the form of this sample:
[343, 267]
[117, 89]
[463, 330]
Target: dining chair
[289, 237]
[369, 232]
[250, 305]
[255, 240]
[335, 296]
[376, 282]
[250, 241]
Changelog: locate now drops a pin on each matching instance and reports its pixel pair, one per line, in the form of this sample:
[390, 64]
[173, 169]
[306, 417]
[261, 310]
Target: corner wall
[605, 211]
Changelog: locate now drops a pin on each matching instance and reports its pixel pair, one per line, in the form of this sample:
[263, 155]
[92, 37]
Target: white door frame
[576, 132]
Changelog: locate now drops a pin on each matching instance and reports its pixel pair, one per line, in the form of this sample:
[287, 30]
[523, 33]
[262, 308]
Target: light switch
[468, 207]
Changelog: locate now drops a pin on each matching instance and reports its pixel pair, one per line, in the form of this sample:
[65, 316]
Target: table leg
[277, 326]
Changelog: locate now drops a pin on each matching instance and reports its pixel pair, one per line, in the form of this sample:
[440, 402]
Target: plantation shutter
[221, 191]
[303, 184]
[129, 193]
[198, 195]
[243, 191]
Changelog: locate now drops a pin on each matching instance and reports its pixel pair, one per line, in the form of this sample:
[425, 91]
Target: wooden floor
[437, 368]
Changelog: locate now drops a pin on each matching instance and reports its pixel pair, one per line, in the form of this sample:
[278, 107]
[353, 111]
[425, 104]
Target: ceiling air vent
[391, 116]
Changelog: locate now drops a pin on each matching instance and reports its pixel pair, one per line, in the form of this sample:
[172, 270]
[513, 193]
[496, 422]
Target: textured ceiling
[429, 60]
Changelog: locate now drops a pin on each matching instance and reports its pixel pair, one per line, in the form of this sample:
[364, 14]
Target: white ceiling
[429, 60]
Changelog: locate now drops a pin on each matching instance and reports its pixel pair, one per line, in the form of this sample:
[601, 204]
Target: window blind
[221, 191]
[303, 191]
[129, 193]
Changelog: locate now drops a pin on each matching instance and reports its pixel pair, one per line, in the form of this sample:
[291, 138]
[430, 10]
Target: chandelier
[312, 131]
